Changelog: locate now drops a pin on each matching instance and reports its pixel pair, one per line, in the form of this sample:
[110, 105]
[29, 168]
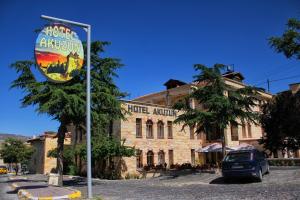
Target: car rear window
[242, 156]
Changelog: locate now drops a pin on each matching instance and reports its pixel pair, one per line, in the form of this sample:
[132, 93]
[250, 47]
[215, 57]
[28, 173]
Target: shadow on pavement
[222, 181]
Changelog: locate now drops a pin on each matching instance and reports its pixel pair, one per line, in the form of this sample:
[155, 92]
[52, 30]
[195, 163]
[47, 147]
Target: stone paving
[281, 183]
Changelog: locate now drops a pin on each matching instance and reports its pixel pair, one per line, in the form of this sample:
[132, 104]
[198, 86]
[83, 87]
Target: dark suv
[245, 163]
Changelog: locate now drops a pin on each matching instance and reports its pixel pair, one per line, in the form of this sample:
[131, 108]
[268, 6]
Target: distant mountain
[3, 136]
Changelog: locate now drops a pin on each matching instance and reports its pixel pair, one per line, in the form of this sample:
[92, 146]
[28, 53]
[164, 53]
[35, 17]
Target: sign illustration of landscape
[59, 52]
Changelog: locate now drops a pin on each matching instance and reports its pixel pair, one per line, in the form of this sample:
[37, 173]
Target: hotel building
[150, 128]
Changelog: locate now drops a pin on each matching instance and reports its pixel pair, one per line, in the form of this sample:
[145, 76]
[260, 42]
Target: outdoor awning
[215, 147]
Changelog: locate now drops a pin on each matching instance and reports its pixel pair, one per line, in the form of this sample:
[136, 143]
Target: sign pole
[86, 27]
[88, 114]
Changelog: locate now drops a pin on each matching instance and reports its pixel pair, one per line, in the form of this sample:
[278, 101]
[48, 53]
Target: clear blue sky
[156, 40]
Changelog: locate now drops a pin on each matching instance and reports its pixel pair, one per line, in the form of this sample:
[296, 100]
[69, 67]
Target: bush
[284, 161]
[72, 170]
[132, 176]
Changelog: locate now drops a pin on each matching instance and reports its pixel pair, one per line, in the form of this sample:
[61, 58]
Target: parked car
[245, 163]
[3, 170]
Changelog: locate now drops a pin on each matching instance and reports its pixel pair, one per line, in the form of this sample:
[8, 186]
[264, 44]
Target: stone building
[151, 130]
[40, 163]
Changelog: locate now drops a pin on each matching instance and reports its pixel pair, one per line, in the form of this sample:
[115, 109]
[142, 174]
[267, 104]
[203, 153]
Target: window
[234, 131]
[138, 122]
[244, 130]
[192, 133]
[249, 131]
[149, 129]
[160, 130]
[161, 157]
[214, 134]
[199, 136]
[150, 158]
[171, 158]
[139, 158]
[193, 156]
[170, 130]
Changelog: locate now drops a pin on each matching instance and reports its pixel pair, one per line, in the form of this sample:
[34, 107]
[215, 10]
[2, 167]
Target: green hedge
[284, 161]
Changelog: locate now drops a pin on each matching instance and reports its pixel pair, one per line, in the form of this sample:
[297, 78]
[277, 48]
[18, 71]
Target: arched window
[161, 157]
[149, 129]
[150, 158]
[160, 130]
[170, 130]
[234, 131]
[139, 158]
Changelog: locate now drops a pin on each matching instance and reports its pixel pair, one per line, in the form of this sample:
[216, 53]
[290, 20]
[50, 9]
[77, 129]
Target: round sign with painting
[59, 52]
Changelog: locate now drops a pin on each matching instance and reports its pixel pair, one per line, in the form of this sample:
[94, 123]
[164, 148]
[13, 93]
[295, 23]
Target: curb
[25, 195]
[14, 186]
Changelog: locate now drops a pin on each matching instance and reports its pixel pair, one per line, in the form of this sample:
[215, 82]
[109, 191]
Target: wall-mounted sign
[59, 52]
[155, 111]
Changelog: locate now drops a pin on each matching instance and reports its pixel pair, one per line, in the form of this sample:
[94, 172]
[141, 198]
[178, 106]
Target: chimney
[294, 87]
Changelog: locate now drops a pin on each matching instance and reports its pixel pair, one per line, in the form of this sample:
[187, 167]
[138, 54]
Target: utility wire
[275, 80]
[275, 72]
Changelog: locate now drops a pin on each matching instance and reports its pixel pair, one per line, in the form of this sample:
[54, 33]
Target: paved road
[6, 192]
[282, 183]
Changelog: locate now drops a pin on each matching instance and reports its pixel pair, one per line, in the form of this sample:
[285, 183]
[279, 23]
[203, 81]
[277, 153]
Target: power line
[290, 77]
[275, 80]
[275, 72]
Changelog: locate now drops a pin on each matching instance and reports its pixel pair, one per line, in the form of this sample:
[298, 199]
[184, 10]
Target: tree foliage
[289, 42]
[65, 102]
[221, 104]
[281, 122]
[15, 151]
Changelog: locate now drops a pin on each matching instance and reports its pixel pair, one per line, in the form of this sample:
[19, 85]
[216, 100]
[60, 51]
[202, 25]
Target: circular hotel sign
[58, 52]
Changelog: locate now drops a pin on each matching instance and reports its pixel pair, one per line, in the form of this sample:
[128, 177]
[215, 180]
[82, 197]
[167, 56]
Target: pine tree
[65, 102]
[221, 104]
[289, 42]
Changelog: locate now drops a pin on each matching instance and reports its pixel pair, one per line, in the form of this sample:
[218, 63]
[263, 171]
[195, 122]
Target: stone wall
[181, 144]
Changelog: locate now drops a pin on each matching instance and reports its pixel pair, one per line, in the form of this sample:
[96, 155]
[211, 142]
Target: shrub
[284, 161]
[132, 176]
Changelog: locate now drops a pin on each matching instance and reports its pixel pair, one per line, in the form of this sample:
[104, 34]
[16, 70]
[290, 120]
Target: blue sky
[156, 40]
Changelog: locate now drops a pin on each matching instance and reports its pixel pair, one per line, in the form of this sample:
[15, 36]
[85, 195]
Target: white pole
[87, 27]
[88, 114]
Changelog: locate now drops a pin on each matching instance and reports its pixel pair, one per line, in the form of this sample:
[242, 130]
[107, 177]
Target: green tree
[289, 42]
[104, 148]
[14, 151]
[65, 102]
[222, 104]
[68, 156]
[281, 122]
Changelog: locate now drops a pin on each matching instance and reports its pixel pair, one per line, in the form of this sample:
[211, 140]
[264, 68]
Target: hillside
[3, 136]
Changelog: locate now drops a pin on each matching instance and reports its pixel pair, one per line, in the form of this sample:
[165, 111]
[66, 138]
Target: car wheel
[259, 176]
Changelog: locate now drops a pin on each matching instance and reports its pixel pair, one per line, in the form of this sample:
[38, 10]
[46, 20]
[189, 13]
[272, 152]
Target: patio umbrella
[244, 146]
[215, 147]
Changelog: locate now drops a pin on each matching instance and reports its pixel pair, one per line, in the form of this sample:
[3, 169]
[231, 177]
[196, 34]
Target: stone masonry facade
[155, 110]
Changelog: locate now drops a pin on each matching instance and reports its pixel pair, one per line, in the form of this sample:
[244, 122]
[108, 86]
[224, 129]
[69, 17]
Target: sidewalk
[40, 190]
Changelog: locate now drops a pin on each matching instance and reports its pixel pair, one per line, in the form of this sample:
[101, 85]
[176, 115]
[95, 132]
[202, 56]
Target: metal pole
[88, 114]
[87, 27]
[268, 83]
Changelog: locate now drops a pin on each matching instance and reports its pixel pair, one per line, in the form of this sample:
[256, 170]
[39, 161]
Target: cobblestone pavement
[281, 183]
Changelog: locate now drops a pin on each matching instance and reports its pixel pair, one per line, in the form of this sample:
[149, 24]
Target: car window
[242, 156]
[260, 156]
